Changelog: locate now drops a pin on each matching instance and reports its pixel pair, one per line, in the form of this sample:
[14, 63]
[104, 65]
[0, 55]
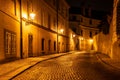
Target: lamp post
[21, 39]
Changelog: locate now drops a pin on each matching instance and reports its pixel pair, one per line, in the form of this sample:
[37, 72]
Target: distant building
[84, 22]
[45, 33]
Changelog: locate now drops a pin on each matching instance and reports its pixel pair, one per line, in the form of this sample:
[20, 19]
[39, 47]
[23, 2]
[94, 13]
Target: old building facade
[82, 22]
[45, 33]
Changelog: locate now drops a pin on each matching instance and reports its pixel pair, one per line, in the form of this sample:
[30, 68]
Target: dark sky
[102, 5]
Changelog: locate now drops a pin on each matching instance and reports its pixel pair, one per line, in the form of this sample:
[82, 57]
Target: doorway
[30, 45]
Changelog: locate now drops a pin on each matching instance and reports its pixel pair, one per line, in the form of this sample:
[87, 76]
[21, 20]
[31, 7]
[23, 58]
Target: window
[90, 34]
[62, 43]
[41, 17]
[59, 5]
[49, 43]
[96, 33]
[90, 22]
[81, 32]
[66, 12]
[54, 45]
[43, 41]
[58, 46]
[86, 12]
[73, 17]
[62, 10]
[55, 23]
[30, 45]
[54, 2]
[28, 8]
[49, 21]
[14, 6]
[10, 43]
[81, 19]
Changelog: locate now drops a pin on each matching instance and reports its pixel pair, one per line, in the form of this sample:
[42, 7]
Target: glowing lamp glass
[32, 15]
[91, 40]
[61, 30]
[73, 35]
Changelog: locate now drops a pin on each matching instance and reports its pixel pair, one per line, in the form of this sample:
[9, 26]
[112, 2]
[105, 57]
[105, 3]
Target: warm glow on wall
[91, 40]
[32, 15]
[24, 16]
[81, 38]
[61, 30]
[73, 35]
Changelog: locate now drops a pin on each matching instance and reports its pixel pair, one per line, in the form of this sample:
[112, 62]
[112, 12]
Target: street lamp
[73, 35]
[91, 41]
[81, 38]
[32, 16]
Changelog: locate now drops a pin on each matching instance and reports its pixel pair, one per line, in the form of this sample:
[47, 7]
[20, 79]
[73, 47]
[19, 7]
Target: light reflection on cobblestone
[70, 67]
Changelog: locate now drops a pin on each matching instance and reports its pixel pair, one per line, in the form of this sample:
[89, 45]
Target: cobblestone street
[75, 66]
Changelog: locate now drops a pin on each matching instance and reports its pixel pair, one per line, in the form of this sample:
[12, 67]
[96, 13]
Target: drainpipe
[21, 39]
[57, 5]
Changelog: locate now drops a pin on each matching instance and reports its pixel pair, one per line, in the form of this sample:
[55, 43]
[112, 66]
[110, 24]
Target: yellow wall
[38, 28]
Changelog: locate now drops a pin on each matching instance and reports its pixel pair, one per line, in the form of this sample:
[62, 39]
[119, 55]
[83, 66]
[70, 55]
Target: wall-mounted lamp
[81, 38]
[61, 30]
[28, 20]
[91, 40]
[32, 16]
[73, 35]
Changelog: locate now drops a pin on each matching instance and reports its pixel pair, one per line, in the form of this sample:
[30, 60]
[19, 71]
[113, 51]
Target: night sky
[101, 5]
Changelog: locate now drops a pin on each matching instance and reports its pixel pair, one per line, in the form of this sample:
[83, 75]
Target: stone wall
[110, 43]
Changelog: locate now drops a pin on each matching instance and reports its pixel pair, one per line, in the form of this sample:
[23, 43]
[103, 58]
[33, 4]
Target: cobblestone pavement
[76, 66]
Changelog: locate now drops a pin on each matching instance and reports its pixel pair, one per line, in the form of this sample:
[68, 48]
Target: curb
[106, 63]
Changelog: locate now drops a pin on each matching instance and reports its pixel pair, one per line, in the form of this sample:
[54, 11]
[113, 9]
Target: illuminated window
[10, 43]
